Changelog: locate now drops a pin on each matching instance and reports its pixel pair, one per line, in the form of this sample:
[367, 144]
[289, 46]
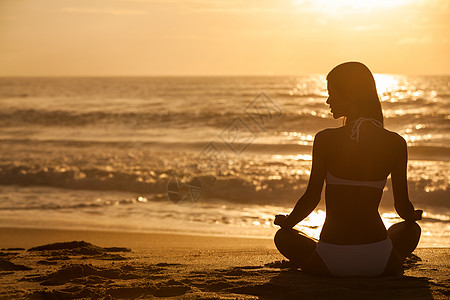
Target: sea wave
[97, 204]
[197, 148]
[225, 185]
[313, 116]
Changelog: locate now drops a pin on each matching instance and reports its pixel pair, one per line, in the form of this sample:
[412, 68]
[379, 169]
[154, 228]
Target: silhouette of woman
[355, 161]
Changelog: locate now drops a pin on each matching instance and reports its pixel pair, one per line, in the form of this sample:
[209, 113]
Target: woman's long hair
[355, 81]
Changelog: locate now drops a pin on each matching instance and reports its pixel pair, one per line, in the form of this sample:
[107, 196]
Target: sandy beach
[50, 264]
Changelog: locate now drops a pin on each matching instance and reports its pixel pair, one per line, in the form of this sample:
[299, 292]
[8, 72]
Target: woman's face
[338, 104]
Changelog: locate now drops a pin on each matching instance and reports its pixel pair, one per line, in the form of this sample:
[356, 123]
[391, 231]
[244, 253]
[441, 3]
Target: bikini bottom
[367, 260]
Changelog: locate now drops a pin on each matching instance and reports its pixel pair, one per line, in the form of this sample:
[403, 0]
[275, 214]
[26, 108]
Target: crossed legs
[300, 249]
[405, 237]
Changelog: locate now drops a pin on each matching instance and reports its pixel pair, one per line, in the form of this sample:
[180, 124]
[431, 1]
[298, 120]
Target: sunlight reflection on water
[385, 83]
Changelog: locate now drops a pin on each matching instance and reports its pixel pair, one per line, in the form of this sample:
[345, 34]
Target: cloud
[221, 6]
[415, 40]
[240, 10]
[366, 27]
[207, 2]
[117, 12]
[194, 37]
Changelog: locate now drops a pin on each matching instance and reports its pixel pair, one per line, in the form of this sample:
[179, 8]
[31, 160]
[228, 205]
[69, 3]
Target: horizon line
[204, 75]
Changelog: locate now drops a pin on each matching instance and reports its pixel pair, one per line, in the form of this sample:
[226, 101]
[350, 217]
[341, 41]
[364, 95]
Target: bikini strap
[357, 125]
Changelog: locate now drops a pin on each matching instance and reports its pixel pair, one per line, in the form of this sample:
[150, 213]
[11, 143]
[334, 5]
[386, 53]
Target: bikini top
[379, 184]
[331, 179]
[357, 125]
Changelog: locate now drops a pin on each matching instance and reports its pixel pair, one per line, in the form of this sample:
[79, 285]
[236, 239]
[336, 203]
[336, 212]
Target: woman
[355, 161]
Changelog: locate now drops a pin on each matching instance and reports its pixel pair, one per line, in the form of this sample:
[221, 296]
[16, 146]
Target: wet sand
[48, 264]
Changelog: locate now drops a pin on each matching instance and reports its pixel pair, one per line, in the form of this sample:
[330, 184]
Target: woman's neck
[351, 119]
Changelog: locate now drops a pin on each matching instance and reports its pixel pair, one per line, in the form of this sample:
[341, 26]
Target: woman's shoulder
[326, 137]
[323, 134]
[390, 137]
[329, 132]
[395, 137]
[400, 145]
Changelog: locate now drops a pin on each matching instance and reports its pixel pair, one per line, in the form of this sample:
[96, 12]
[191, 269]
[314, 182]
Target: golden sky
[221, 37]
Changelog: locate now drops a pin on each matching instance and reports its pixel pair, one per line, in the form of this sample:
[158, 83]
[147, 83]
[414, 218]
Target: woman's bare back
[371, 158]
[352, 211]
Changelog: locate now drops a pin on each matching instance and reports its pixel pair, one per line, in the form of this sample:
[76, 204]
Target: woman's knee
[417, 228]
[405, 237]
[281, 236]
[405, 227]
[289, 238]
[416, 231]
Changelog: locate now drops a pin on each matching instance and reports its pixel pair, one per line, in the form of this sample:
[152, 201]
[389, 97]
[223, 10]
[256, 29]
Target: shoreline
[108, 236]
[27, 237]
[153, 265]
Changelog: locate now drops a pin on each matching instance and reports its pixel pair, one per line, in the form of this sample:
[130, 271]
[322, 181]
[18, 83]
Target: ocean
[198, 155]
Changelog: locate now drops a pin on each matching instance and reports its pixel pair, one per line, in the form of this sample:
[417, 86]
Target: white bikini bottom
[367, 260]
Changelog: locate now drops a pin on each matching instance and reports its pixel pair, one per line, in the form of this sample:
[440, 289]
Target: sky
[221, 37]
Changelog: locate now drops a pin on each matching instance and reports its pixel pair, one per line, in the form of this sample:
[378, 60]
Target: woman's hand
[418, 214]
[280, 220]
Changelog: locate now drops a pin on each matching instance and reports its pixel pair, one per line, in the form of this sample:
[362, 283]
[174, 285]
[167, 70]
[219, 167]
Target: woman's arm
[306, 204]
[403, 206]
